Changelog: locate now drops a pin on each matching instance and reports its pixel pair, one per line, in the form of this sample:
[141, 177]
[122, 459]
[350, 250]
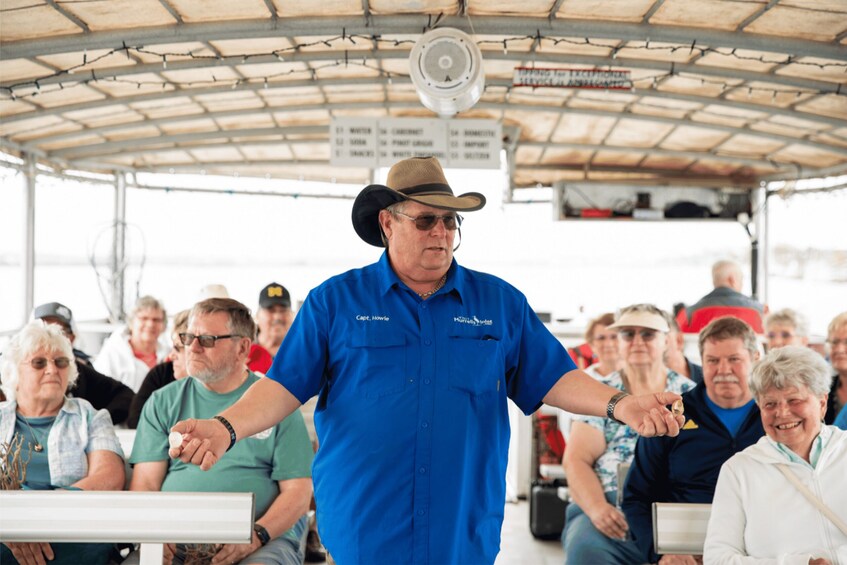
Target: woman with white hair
[129, 353]
[65, 443]
[786, 327]
[783, 499]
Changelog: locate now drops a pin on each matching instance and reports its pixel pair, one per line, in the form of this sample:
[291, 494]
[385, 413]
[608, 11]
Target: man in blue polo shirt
[413, 359]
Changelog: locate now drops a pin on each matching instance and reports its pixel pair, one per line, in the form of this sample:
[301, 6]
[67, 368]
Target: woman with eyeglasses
[64, 442]
[596, 529]
[836, 344]
[129, 353]
[786, 327]
[170, 370]
[604, 343]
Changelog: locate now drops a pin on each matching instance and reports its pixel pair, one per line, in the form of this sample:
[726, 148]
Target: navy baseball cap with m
[274, 294]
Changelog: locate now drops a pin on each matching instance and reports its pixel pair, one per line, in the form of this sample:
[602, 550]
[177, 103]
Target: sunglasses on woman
[646, 335]
[39, 363]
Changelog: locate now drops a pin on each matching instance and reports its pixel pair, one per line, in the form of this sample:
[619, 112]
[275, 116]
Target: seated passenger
[129, 353]
[72, 446]
[759, 513]
[162, 374]
[274, 464]
[721, 420]
[604, 343]
[101, 391]
[725, 300]
[786, 327]
[596, 530]
[836, 341]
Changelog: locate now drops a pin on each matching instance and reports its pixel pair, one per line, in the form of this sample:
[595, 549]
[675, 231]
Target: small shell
[175, 439]
[677, 408]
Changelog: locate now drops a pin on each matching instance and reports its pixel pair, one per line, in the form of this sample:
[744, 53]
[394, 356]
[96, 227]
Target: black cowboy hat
[419, 179]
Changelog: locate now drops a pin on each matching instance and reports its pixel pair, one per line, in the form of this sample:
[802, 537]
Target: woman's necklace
[435, 289]
[38, 447]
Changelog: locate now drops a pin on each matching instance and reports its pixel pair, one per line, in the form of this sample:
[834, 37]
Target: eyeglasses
[783, 335]
[426, 222]
[836, 342]
[205, 340]
[39, 363]
[604, 337]
[646, 335]
[178, 347]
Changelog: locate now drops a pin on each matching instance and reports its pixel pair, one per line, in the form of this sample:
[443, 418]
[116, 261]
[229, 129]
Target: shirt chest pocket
[381, 360]
[475, 366]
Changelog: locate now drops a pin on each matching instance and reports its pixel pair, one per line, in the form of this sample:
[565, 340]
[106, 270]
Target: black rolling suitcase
[546, 509]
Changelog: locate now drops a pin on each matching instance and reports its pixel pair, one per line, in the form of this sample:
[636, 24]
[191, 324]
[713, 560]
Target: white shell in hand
[175, 439]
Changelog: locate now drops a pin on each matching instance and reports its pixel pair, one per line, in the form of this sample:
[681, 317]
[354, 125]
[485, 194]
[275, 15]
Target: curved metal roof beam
[413, 24]
[513, 55]
[694, 155]
[92, 149]
[832, 123]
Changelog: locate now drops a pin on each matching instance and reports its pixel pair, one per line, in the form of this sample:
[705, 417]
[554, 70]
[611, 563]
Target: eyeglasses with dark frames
[646, 334]
[39, 363]
[205, 340]
[426, 222]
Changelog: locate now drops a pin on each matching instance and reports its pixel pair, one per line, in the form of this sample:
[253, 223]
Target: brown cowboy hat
[419, 179]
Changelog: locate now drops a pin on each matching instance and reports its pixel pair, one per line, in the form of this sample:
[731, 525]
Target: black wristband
[610, 407]
[229, 428]
[262, 534]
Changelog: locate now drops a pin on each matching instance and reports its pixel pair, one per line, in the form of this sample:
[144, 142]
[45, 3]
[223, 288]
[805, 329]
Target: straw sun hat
[419, 179]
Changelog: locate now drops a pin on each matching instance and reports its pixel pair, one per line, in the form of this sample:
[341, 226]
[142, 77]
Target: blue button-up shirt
[412, 415]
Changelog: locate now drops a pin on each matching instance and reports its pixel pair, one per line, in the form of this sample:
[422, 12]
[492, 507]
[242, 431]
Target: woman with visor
[596, 530]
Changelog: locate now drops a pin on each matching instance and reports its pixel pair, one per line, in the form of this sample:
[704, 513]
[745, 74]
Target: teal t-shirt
[36, 433]
[255, 464]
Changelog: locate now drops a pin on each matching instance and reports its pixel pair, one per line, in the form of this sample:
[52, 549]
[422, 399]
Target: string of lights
[84, 72]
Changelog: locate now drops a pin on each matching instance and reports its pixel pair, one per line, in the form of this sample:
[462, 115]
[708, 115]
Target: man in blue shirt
[722, 419]
[413, 359]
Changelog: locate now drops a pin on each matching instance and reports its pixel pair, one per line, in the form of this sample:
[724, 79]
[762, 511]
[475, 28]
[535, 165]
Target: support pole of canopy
[116, 309]
[759, 243]
[29, 236]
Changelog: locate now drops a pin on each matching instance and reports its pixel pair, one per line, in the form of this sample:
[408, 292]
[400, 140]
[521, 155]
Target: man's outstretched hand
[648, 414]
[203, 442]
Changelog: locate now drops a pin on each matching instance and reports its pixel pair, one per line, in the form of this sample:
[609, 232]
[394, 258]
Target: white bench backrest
[127, 438]
[680, 528]
[120, 516]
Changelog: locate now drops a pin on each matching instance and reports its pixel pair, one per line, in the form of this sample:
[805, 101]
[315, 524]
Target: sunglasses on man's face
[646, 335]
[426, 222]
[205, 340]
[39, 363]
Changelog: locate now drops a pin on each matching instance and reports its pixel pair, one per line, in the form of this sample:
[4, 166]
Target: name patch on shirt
[363, 318]
[472, 321]
[264, 434]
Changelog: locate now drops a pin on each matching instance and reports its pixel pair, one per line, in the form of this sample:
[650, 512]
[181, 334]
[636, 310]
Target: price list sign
[381, 142]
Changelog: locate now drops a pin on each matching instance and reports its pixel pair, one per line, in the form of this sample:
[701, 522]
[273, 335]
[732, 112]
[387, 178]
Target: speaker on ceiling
[446, 69]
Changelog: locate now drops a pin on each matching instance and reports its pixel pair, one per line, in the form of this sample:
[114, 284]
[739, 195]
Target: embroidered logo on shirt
[264, 434]
[472, 321]
[363, 318]
[690, 425]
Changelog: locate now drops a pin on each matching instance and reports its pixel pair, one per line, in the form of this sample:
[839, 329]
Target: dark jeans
[69, 554]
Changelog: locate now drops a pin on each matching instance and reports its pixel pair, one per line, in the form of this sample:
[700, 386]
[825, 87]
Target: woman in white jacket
[129, 353]
[758, 515]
